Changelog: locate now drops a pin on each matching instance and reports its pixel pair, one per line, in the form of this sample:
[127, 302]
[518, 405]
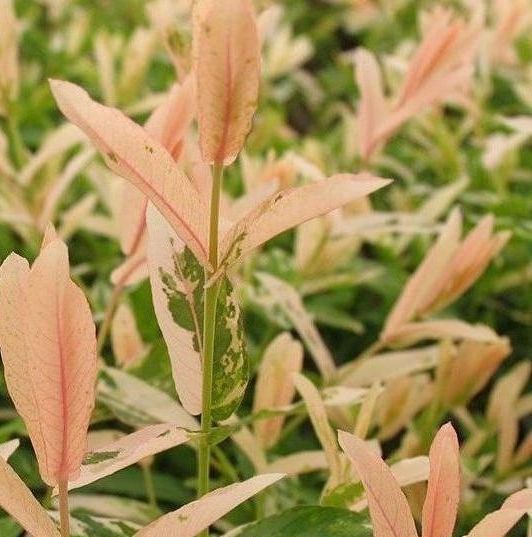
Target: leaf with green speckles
[99, 456]
[311, 521]
[178, 282]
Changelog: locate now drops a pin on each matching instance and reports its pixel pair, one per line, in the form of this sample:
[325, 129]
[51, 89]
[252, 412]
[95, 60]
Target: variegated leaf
[178, 282]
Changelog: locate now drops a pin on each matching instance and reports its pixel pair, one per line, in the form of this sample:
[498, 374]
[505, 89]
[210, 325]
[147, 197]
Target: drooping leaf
[133, 154]
[311, 521]
[443, 493]
[227, 66]
[19, 502]
[178, 282]
[49, 352]
[127, 451]
[196, 516]
[389, 509]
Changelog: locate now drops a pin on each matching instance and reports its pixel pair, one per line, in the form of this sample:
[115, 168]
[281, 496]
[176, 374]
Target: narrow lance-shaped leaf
[292, 207]
[18, 501]
[388, 506]
[275, 387]
[138, 404]
[196, 516]
[49, 351]
[227, 66]
[443, 493]
[126, 451]
[178, 282]
[500, 522]
[277, 293]
[133, 154]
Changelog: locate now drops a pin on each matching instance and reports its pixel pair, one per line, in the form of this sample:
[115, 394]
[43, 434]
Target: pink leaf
[135, 155]
[49, 350]
[294, 206]
[497, 524]
[18, 501]
[196, 516]
[227, 66]
[443, 493]
[389, 509]
[128, 450]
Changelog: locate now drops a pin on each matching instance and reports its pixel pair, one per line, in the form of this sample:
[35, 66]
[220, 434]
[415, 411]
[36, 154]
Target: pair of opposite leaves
[48, 343]
[226, 54]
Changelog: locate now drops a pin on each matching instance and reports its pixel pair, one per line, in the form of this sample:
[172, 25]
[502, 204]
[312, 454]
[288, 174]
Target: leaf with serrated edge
[49, 352]
[127, 451]
[17, 500]
[388, 506]
[138, 157]
[443, 493]
[227, 66]
[196, 516]
[178, 282]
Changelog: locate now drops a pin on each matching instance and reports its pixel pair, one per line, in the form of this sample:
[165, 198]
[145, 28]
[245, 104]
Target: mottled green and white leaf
[178, 283]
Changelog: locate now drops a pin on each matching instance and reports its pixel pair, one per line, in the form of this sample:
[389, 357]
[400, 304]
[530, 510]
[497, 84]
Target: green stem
[64, 515]
[15, 140]
[149, 485]
[209, 327]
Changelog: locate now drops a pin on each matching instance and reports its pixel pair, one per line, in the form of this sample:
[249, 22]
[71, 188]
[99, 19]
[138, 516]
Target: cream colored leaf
[389, 509]
[383, 367]
[126, 341]
[126, 451]
[227, 66]
[132, 153]
[412, 333]
[196, 516]
[19, 502]
[275, 386]
[136, 403]
[443, 493]
[8, 448]
[300, 463]
[284, 296]
[318, 417]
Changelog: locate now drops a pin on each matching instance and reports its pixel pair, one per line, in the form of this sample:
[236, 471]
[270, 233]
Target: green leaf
[9, 528]
[311, 521]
